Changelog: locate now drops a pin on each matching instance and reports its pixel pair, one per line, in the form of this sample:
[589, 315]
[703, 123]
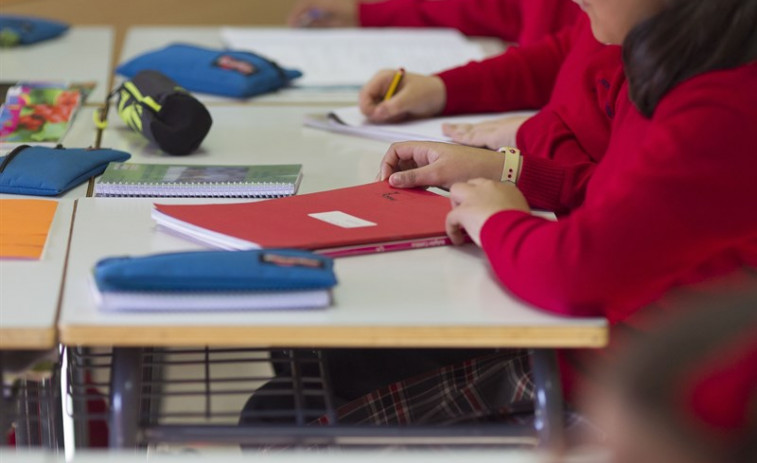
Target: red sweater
[671, 204]
[521, 21]
[576, 80]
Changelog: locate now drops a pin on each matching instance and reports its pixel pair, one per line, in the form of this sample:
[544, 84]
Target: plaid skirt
[492, 388]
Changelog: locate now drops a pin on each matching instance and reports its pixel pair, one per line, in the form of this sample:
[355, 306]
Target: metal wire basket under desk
[153, 396]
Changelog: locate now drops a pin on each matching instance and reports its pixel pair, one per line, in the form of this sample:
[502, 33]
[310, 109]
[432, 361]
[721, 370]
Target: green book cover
[136, 179]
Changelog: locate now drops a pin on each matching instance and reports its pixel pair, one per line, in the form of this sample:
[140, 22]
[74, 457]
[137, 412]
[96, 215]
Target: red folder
[347, 221]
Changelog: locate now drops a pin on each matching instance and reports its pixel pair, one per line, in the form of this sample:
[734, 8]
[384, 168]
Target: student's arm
[496, 18]
[520, 78]
[672, 208]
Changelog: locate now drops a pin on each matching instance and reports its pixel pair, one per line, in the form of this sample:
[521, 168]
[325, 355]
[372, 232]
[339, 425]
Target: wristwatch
[513, 160]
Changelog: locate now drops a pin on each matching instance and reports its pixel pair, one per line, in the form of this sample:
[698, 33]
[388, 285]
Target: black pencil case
[170, 117]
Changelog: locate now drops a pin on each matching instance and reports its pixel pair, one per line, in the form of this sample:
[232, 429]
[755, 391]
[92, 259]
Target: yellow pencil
[395, 83]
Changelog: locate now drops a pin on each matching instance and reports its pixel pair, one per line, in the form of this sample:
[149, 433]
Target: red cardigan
[671, 204]
[521, 21]
[576, 80]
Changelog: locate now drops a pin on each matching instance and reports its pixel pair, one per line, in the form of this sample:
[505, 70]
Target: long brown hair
[687, 38]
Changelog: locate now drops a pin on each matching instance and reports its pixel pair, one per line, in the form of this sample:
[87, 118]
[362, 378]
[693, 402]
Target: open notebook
[351, 121]
[349, 57]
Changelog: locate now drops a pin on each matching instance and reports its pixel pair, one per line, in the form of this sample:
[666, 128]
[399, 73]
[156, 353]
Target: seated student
[686, 393]
[571, 76]
[586, 77]
[520, 21]
[665, 207]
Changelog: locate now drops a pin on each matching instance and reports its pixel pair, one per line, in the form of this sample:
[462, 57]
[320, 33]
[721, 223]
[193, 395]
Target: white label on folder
[341, 219]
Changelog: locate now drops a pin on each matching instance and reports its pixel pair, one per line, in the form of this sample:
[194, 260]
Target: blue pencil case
[237, 74]
[24, 30]
[261, 279]
[217, 271]
[43, 171]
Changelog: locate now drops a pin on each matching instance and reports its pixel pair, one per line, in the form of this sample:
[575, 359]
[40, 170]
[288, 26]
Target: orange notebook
[24, 226]
[347, 221]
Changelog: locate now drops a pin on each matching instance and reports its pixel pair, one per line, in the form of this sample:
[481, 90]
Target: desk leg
[125, 388]
[549, 407]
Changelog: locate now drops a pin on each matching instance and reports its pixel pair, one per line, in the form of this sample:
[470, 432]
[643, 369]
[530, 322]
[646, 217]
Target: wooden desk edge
[341, 336]
[27, 338]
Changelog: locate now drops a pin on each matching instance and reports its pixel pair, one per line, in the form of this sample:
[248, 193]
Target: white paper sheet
[351, 121]
[349, 57]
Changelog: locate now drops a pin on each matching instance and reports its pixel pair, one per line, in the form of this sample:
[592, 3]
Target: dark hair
[687, 38]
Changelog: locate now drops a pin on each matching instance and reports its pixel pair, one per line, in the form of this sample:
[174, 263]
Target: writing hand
[417, 96]
[323, 13]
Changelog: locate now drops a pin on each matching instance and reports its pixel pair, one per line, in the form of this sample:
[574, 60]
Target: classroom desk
[142, 39]
[83, 53]
[253, 134]
[31, 289]
[29, 301]
[440, 297]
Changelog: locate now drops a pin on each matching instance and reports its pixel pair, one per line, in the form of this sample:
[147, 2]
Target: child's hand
[490, 134]
[324, 13]
[417, 96]
[419, 164]
[475, 201]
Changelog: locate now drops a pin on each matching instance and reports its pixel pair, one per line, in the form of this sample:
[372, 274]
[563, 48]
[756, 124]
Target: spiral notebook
[198, 181]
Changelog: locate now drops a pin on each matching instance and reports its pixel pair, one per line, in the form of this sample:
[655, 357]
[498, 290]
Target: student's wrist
[513, 164]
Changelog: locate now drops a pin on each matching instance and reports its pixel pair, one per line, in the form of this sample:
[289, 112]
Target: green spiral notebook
[199, 181]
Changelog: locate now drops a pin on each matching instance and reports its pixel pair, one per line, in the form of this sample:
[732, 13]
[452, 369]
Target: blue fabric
[42, 171]
[23, 30]
[221, 72]
[256, 270]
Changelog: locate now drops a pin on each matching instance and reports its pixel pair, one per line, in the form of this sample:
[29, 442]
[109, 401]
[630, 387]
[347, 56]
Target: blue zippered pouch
[237, 74]
[43, 171]
[221, 271]
[24, 30]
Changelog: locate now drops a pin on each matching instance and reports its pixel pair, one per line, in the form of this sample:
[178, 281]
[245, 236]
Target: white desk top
[430, 297]
[142, 39]
[252, 134]
[82, 54]
[29, 289]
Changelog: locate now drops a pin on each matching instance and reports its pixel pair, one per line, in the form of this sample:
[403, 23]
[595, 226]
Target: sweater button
[609, 111]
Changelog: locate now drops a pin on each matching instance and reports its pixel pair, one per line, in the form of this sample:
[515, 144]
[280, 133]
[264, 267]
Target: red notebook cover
[355, 220]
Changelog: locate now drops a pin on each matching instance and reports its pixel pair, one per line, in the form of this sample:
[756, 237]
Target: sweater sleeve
[496, 18]
[520, 78]
[670, 207]
[556, 185]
